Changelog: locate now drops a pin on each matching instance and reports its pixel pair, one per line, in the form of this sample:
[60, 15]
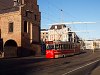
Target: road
[85, 63]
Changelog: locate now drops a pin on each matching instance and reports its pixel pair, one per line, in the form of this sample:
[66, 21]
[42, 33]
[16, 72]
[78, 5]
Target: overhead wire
[48, 15]
[62, 12]
[59, 9]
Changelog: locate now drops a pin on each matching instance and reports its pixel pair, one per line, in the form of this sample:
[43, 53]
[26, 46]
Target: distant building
[88, 44]
[97, 43]
[44, 35]
[57, 32]
[61, 32]
[92, 44]
[20, 27]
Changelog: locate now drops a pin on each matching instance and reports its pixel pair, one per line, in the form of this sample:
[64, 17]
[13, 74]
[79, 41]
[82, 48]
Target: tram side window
[57, 46]
[62, 47]
[73, 46]
[66, 46]
[52, 46]
[70, 46]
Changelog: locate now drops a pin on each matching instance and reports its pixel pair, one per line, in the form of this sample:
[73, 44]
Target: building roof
[7, 6]
[98, 39]
[89, 40]
[58, 26]
[44, 29]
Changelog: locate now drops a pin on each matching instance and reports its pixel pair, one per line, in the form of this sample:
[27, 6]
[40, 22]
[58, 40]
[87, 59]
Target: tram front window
[50, 47]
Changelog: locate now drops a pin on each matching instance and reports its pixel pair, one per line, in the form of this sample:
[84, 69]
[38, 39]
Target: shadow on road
[26, 66]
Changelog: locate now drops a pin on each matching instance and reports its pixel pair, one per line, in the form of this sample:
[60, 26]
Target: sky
[72, 11]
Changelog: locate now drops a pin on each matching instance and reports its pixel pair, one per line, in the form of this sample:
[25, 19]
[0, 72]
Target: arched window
[25, 26]
[11, 27]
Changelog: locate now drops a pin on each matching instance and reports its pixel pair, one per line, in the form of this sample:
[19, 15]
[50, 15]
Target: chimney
[16, 2]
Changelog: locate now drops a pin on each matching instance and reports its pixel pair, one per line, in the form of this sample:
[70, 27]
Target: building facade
[62, 33]
[20, 27]
[89, 44]
[92, 44]
[97, 43]
[44, 35]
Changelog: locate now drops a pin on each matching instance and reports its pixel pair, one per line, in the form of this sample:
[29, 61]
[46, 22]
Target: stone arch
[10, 48]
[10, 43]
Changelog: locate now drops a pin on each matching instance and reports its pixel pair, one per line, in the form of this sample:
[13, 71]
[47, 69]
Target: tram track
[77, 71]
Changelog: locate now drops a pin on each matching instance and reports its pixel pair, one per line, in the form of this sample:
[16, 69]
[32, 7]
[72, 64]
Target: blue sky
[73, 11]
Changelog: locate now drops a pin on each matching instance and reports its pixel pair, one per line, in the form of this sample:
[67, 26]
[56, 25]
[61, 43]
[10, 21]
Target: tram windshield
[50, 47]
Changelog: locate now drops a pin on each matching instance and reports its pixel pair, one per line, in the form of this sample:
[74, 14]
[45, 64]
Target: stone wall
[28, 12]
[6, 18]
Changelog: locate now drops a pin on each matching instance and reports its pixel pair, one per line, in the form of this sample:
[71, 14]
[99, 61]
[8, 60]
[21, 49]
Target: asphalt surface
[86, 63]
[96, 71]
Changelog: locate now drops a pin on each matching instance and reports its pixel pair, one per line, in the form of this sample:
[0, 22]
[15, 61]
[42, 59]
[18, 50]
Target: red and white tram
[61, 49]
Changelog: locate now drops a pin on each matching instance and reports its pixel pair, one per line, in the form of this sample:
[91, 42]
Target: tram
[59, 49]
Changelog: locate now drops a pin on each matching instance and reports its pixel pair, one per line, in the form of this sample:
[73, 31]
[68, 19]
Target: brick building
[20, 27]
